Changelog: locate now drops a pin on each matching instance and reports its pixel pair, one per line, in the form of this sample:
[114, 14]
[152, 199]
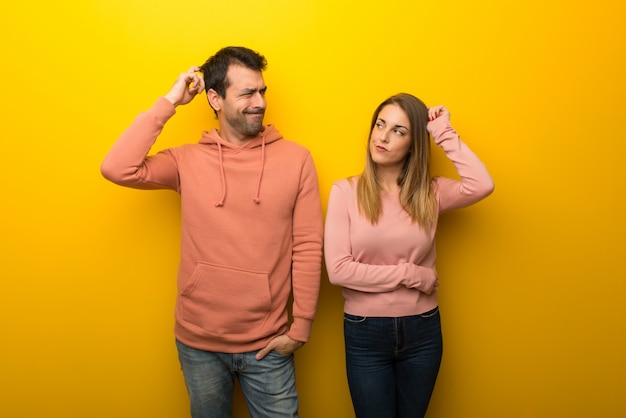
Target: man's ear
[215, 100]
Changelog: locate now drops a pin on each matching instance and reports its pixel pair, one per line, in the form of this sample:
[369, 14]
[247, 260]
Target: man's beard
[245, 127]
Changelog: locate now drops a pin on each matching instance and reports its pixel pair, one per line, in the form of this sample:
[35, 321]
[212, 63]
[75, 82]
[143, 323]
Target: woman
[380, 247]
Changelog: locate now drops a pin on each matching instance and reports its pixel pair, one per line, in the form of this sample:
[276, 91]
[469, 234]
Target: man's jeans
[269, 385]
[392, 363]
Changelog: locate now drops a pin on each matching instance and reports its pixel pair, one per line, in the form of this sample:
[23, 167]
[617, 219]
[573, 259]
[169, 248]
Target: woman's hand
[437, 112]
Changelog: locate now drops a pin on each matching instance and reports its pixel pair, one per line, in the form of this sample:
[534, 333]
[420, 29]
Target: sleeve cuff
[300, 329]
[163, 109]
[440, 129]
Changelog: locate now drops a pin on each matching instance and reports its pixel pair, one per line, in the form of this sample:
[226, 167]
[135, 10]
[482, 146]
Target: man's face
[243, 107]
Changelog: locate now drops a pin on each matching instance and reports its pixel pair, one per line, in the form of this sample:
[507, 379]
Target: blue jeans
[269, 385]
[392, 363]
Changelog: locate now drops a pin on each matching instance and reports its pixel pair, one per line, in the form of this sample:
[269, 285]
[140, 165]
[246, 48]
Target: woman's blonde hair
[417, 196]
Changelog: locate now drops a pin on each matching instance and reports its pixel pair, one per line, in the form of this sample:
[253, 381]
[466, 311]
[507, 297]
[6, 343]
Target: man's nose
[259, 101]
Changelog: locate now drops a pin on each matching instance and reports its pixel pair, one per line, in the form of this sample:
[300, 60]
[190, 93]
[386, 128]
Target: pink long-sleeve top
[382, 267]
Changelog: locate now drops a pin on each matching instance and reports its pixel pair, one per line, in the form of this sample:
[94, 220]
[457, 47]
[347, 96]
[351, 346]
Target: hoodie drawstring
[257, 198]
[221, 160]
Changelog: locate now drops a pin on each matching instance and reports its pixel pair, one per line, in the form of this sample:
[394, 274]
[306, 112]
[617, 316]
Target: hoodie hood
[212, 138]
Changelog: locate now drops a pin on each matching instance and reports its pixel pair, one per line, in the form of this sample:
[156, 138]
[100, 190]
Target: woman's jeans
[269, 385]
[392, 363]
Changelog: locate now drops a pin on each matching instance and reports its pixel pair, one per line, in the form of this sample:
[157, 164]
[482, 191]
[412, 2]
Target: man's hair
[417, 194]
[215, 68]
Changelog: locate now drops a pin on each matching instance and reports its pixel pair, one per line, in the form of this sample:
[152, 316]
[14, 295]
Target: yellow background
[532, 279]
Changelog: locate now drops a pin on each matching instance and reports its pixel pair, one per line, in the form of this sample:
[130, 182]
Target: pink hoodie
[251, 230]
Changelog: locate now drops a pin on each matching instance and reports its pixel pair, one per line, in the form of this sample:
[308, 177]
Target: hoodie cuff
[163, 109]
[300, 329]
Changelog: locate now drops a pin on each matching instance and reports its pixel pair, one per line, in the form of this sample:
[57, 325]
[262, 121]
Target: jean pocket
[276, 354]
[355, 319]
[430, 314]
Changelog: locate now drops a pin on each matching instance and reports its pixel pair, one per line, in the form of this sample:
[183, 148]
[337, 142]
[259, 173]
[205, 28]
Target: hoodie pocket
[223, 300]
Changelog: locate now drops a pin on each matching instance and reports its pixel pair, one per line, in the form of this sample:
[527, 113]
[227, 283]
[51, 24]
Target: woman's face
[390, 140]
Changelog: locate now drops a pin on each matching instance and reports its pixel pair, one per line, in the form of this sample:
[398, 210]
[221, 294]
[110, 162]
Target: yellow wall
[532, 279]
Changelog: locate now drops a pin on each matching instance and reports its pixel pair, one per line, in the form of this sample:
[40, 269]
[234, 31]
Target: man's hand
[187, 86]
[282, 345]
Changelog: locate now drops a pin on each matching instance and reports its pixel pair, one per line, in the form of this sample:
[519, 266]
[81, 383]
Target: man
[251, 236]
